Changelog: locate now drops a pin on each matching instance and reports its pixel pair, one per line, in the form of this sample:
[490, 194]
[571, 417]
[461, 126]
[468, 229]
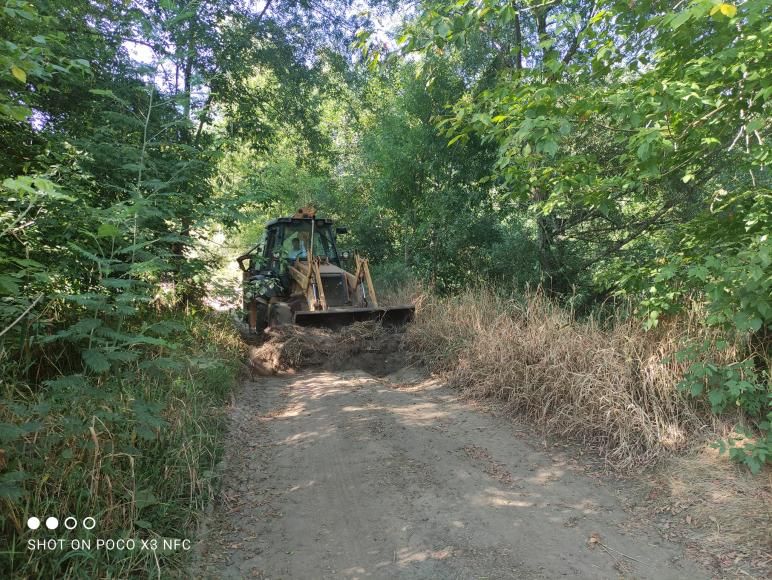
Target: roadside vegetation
[609, 389]
[136, 450]
[113, 373]
[603, 381]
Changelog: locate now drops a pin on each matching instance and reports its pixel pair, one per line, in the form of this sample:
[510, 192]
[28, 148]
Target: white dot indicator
[33, 523]
[70, 523]
[89, 523]
[52, 523]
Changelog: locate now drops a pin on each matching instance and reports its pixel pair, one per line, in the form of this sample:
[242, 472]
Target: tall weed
[135, 449]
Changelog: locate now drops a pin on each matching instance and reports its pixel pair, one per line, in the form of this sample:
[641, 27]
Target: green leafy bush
[137, 450]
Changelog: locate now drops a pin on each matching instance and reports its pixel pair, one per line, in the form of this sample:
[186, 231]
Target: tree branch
[22, 315]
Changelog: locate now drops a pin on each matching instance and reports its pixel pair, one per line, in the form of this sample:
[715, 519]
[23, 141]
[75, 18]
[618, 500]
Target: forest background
[606, 156]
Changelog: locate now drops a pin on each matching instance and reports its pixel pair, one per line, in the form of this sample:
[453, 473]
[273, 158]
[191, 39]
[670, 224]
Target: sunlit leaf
[19, 74]
[728, 10]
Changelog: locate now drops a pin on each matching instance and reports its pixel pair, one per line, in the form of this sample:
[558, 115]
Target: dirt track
[343, 475]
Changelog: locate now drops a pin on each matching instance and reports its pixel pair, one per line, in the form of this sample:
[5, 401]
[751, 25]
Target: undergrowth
[607, 383]
[136, 450]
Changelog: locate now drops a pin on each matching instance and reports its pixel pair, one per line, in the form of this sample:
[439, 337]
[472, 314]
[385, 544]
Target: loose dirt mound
[363, 345]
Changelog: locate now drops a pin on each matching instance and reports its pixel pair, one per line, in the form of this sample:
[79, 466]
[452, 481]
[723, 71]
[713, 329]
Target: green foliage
[637, 140]
[118, 448]
[117, 125]
[733, 283]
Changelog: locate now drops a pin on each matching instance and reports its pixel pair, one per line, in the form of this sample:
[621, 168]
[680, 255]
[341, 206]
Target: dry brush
[610, 385]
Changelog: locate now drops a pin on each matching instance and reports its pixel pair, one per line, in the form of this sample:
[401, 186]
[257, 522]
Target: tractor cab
[291, 239]
[288, 241]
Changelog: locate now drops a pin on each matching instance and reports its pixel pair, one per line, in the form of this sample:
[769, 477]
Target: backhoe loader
[294, 276]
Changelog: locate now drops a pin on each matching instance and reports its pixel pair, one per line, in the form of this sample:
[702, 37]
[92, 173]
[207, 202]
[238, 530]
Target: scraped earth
[342, 474]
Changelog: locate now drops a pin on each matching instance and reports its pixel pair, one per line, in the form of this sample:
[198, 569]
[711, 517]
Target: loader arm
[306, 275]
[362, 276]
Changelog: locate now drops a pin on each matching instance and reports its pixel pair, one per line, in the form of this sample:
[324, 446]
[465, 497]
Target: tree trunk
[518, 41]
[553, 271]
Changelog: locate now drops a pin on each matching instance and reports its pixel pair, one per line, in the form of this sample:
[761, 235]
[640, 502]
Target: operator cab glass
[291, 241]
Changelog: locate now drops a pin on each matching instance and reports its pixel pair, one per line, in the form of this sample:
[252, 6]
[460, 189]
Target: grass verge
[611, 386]
[136, 451]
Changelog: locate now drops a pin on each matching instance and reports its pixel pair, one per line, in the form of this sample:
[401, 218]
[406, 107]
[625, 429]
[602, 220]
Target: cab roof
[298, 220]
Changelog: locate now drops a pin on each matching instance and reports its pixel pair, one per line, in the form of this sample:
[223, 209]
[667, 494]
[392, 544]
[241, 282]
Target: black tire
[279, 314]
[261, 318]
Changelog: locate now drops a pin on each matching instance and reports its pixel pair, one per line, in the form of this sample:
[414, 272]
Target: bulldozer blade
[337, 317]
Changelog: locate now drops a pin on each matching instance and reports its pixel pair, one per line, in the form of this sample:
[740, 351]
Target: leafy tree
[637, 137]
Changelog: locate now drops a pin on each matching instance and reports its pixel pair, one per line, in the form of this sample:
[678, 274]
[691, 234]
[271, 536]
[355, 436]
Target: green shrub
[137, 451]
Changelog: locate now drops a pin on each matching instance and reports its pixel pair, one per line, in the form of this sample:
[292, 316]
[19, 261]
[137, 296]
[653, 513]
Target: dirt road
[343, 475]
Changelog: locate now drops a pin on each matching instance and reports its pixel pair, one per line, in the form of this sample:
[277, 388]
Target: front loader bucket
[337, 317]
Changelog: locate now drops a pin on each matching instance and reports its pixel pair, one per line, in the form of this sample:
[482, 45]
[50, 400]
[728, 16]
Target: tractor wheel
[279, 314]
[256, 316]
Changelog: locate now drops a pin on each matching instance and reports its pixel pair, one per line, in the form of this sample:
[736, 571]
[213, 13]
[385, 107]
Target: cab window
[297, 242]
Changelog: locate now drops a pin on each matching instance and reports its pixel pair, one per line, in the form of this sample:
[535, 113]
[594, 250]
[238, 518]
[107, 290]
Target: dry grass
[407, 291]
[611, 386]
[718, 508]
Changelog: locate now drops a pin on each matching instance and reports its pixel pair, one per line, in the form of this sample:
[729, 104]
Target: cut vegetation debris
[611, 386]
[362, 345]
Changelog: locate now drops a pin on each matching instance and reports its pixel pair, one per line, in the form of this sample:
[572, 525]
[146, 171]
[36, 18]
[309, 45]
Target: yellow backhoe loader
[294, 275]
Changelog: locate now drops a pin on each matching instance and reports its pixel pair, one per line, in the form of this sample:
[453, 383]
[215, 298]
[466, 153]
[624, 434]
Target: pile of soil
[367, 346]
